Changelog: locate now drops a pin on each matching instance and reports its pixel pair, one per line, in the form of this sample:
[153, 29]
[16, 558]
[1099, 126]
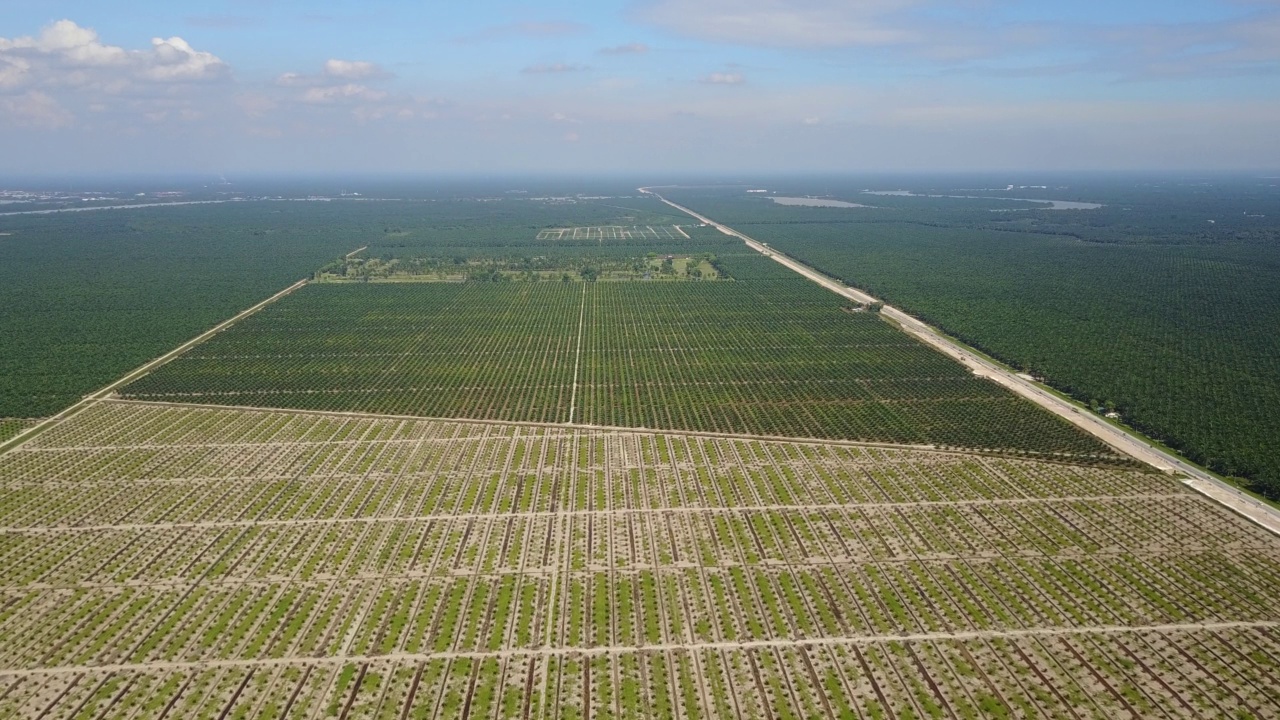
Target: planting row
[411, 480]
[9, 427]
[771, 357]
[408, 493]
[497, 352]
[202, 619]
[541, 542]
[120, 442]
[779, 358]
[1228, 673]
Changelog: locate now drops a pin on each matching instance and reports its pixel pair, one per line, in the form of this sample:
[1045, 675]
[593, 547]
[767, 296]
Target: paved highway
[1195, 478]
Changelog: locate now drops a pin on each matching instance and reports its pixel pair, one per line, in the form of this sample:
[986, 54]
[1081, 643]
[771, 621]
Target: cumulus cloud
[335, 72]
[718, 78]
[66, 54]
[59, 48]
[554, 68]
[628, 49]
[66, 69]
[13, 71]
[347, 84]
[293, 79]
[175, 59]
[69, 43]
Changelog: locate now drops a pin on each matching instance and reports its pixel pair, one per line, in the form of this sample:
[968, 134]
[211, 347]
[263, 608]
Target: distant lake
[815, 202]
[1053, 204]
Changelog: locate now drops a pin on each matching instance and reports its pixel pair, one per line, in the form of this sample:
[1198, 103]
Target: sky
[627, 87]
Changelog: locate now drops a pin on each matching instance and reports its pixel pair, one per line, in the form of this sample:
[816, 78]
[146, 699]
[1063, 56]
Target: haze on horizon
[624, 86]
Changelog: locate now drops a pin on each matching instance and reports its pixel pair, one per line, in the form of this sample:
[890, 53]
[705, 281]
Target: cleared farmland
[207, 562]
[764, 357]
[614, 232]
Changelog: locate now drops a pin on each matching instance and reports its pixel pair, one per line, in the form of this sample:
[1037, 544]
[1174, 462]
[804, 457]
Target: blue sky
[638, 86]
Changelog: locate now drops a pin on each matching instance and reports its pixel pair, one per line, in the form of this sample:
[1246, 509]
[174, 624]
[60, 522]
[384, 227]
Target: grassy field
[213, 563]
[766, 357]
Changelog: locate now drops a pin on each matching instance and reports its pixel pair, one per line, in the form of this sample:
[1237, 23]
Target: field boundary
[1032, 457]
[95, 397]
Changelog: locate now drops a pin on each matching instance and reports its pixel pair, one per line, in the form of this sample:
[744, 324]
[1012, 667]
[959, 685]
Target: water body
[815, 202]
[1053, 204]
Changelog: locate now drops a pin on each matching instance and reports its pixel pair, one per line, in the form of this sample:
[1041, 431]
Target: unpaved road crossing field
[203, 562]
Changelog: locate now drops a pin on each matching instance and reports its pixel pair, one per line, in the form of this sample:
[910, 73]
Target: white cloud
[34, 109]
[66, 54]
[13, 71]
[718, 78]
[175, 59]
[349, 84]
[68, 42]
[293, 79]
[335, 72]
[353, 69]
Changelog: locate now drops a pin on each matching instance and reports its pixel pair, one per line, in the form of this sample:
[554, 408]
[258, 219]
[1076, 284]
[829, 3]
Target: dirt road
[105, 392]
[596, 650]
[1199, 480]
